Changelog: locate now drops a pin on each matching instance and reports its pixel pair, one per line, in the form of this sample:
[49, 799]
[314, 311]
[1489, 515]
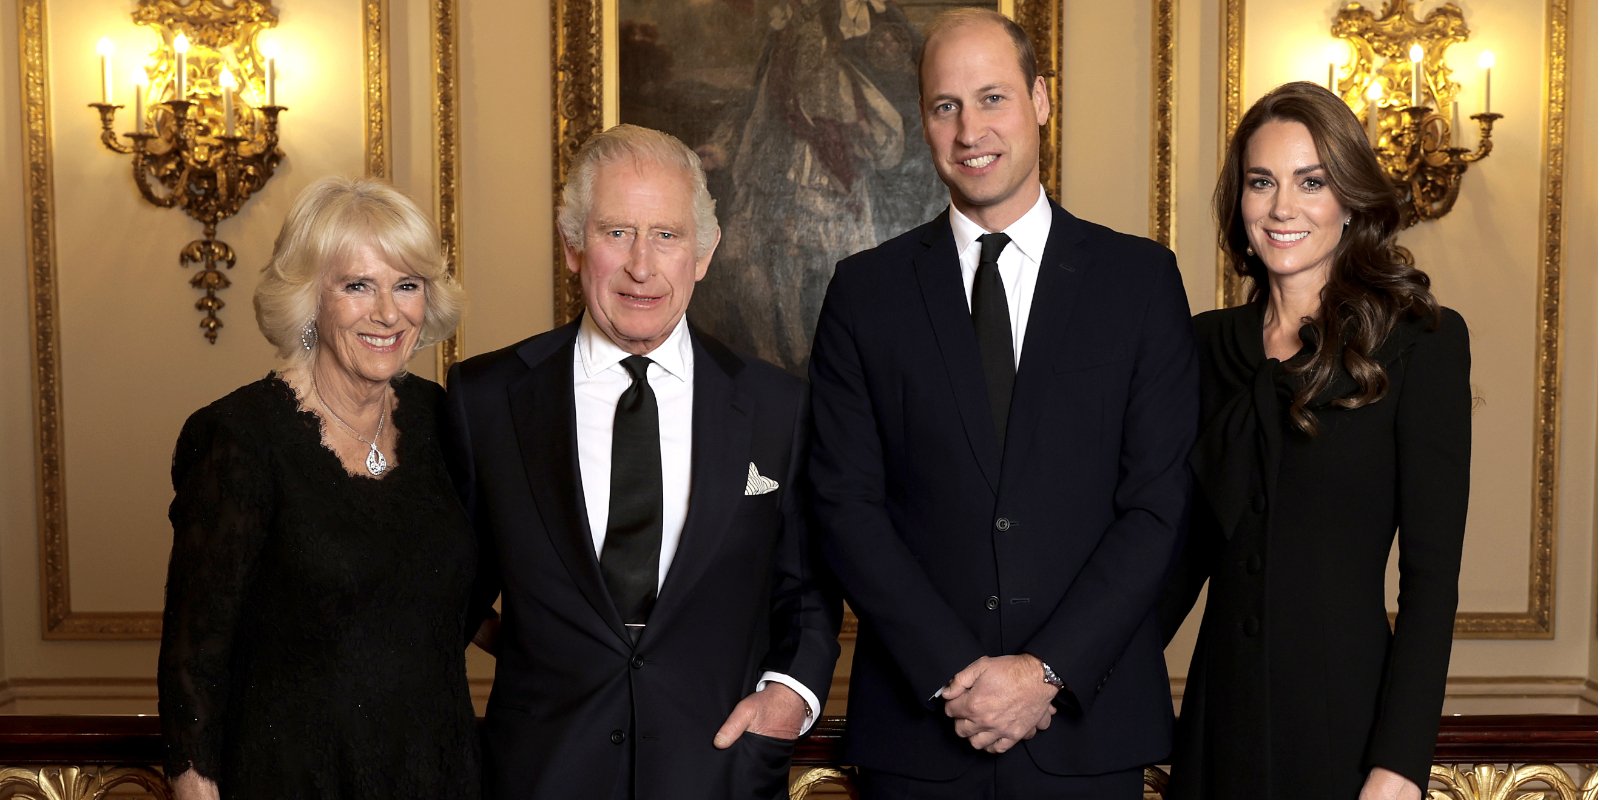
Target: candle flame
[1416, 53]
[181, 44]
[1374, 91]
[1486, 60]
[105, 47]
[1338, 53]
[140, 79]
[226, 80]
[268, 46]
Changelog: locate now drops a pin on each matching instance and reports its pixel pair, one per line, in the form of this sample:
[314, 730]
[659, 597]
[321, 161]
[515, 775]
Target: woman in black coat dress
[1336, 410]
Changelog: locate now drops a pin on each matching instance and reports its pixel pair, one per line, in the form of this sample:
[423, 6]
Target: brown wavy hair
[1373, 282]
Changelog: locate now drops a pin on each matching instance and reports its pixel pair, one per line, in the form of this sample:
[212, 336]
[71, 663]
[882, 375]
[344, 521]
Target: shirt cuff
[813, 708]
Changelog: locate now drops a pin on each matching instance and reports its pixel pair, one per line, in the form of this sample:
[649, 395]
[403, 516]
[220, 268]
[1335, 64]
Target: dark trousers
[1011, 776]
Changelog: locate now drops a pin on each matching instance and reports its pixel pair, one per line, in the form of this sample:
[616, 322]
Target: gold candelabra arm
[108, 134]
[1485, 133]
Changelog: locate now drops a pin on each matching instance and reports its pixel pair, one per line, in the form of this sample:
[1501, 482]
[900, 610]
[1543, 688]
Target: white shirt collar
[597, 353]
[1028, 234]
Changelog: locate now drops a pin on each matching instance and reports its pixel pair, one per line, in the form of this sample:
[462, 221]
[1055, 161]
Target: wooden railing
[1477, 758]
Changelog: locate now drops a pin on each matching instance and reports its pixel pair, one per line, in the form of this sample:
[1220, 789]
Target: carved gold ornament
[208, 139]
[1399, 80]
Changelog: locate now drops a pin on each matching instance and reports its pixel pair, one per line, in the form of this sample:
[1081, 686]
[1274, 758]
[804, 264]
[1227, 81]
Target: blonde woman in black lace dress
[314, 632]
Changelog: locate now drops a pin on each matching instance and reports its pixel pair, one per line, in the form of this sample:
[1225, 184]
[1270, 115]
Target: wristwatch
[1051, 677]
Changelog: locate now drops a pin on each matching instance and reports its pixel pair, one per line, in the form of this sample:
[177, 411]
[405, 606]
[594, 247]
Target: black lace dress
[313, 639]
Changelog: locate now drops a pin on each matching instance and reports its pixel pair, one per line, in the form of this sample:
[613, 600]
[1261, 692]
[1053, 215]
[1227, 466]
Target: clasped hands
[997, 702]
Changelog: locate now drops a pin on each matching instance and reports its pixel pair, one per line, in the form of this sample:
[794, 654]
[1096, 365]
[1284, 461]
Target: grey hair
[641, 145]
[330, 220]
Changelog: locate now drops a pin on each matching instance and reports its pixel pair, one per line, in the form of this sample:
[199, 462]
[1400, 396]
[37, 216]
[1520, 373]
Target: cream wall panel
[116, 344]
[1105, 118]
[17, 474]
[1195, 147]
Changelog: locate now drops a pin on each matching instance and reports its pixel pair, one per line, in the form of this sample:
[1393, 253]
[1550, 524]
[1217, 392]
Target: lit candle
[1374, 94]
[226, 81]
[139, 82]
[269, 48]
[105, 48]
[180, 45]
[1487, 62]
[1416, 75]
[1336, 56]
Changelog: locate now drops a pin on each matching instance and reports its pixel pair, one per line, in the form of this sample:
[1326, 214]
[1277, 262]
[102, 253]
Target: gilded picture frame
[604, 50]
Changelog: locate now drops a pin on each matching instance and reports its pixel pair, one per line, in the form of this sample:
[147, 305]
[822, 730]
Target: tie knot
[637, 367]
[992, 243]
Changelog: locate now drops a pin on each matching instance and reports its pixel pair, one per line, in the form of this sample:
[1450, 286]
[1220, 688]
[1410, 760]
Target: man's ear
[1041, 99]
[703, 263]
[572, 256]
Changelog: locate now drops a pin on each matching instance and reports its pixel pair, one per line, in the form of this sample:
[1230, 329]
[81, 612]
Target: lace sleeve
[220, 514]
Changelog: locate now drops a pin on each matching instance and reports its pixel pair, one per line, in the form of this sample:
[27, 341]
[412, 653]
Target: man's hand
[997, 702]
[1383, 784]
[776, 711]
[191, 785]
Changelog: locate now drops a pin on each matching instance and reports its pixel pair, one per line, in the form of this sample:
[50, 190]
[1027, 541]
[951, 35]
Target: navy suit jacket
[952, 545]
[571, 693]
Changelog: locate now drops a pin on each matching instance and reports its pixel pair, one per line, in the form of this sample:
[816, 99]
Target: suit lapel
[544, 416]
[938, 271]
[721, 463]
[1055, 301]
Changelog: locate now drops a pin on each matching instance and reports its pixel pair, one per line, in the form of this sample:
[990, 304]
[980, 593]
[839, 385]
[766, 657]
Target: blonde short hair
[642, 145]
[330, 220]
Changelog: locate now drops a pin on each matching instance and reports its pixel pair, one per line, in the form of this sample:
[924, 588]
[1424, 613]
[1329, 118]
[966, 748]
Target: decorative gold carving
[58, 620]
[1163, 102]
[447, 137]
[1231, 290]
[1489, 782]
[577, 81]
[1413, 140]
[1537, 621]
[801, 787]
[191, 158]
[79, 783]
[375, 61]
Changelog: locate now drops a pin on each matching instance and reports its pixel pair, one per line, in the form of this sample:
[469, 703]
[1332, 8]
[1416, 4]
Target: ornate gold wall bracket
[1403, 103]
[212, 142]
[80, 783]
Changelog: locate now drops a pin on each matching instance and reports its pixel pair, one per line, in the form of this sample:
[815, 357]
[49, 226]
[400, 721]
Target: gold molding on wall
[1537, 620]
[446, 153]
[375, 61]
[58, 620]
[1163, 106]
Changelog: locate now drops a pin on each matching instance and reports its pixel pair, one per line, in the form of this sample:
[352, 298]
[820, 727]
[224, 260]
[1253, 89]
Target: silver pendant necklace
[376, 463]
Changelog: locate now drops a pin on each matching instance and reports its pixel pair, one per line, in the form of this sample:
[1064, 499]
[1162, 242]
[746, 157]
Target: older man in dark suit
[637, 488]
[1004, 399]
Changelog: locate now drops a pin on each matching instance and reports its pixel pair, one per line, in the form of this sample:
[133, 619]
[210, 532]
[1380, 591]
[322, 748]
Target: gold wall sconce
[1401, 87]
[207, 139]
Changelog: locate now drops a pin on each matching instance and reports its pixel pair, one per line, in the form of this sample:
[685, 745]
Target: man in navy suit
[1004, 399]
[638, 493]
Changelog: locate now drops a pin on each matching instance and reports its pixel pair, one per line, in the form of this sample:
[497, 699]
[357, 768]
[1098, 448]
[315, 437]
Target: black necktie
[991, 316]
[631, 556]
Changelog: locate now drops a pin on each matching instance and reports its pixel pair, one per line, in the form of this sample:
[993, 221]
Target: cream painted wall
[126, 318]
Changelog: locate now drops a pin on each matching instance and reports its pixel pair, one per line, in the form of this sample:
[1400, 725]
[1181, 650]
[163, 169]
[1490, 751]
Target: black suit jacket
[571, 694]
[951, 546]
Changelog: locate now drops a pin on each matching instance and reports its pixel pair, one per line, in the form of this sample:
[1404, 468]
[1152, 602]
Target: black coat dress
[313, 644]
[1298, 687]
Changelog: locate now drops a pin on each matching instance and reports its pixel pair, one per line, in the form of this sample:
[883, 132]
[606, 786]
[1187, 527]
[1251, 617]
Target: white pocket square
[758, 483]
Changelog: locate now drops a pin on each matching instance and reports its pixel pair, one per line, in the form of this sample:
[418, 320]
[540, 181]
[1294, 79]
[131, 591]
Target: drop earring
[308, 334]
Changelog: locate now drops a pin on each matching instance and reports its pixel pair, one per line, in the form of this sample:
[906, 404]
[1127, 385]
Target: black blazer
[570, 692]
[950, 546]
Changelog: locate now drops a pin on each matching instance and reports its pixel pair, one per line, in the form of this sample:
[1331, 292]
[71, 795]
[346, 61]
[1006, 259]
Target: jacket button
[992, 603]
[1252, 564]
[638, 662]
[1252, 626]
[1002, 524]
[617, 737]
[1258, 503]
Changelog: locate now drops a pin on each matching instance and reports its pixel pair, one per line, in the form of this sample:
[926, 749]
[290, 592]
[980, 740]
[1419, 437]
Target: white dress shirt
[598, 381]
[1019, 262]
